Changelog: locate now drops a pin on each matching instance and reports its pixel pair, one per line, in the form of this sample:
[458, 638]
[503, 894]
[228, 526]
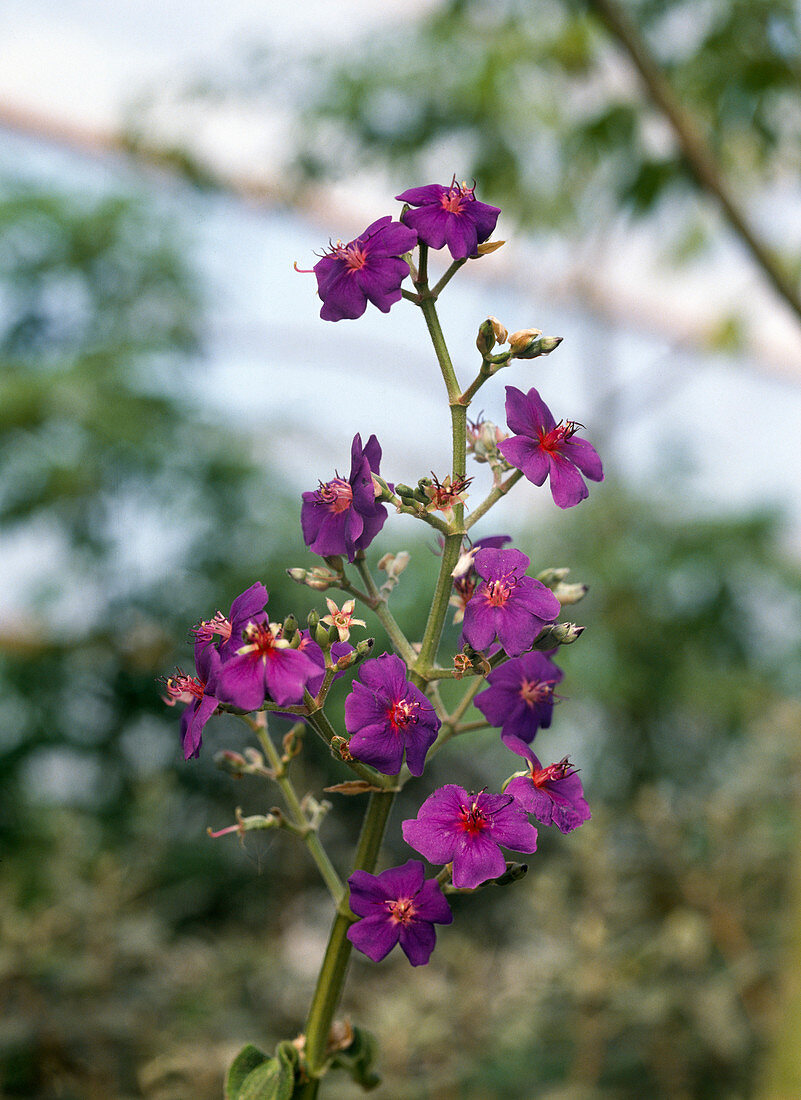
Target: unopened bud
[321, 635]
[558, 634]
[490, 333]
[513, 872]
[232, 762]
[335, 562]
[313, 620]
[290, 628]
[551, 577]
[394, 564]
[570, 593]
[529, 343]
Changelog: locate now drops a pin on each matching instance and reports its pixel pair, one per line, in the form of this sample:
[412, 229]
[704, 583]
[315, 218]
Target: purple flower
[198, 692]
[247, 607]
[449, 215]
[385, 714]
[397, 905]
[554, 794]
[315, 654]
[508, 604]
[343, 516]
[543, 448]
[520, 697]
[467, 829]
[367, 269]
[257, 663]
[464, 575]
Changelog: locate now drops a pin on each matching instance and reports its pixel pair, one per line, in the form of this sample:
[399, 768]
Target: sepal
[357, 1059]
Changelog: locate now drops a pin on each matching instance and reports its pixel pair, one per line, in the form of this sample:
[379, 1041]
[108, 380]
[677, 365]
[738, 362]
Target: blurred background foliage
[643, 955]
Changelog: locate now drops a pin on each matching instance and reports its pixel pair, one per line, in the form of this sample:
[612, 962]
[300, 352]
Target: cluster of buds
[525, 343]
[555, 579]
[483, 438]
[320, 578]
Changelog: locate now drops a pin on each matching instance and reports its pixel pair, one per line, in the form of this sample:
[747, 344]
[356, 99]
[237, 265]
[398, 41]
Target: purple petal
[516, 627]
[249, 603]
[430, 223]
[567, 484]
[418, 196]
[404, 881]
[478, 628]
[366, 891]
[492, 564]
[431, 903]
[417, 940]
[240, 682]
[475, 860]
[372, 452]
[484, 217]
[374, 936]
[393, 240]
[460, 236]
[380, 746]
[526, 455]
[287, 671]
[583, 454]
[527, 414]
[344, 299]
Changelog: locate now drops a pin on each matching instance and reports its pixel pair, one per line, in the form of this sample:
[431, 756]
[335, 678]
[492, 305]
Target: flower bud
[570, 593]
[558, 634]
[490, 333]
[551, 577]
[321, 635]
[232, 762]
[313, 619]
[290, 628]
[529, 343]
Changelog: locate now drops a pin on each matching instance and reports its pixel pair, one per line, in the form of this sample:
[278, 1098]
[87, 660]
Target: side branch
[693, 146]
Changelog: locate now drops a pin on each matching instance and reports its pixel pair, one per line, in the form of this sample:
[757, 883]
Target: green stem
[310, 837]
[337, 955]
[446, 278]
[379, 605]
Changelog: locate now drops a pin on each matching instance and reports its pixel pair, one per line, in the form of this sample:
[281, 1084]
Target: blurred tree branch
[693, 146]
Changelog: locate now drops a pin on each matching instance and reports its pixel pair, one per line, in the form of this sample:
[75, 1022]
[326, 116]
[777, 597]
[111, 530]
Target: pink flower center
[498, 591]
[536, 691]
[456, 197]
[555, 439]
[259, 641]
[401, 911]
[472, 820]
[205, 630]
[403, 713]
[553, 773]
[181, 688]
[353, 255]
[336, 495]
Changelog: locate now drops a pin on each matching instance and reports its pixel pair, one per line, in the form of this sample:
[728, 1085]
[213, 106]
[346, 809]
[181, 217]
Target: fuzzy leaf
[245, 1062]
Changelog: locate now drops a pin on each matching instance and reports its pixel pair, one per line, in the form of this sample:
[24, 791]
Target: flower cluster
[394, 716]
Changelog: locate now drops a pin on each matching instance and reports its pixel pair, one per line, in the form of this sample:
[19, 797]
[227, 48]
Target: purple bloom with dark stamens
[397, 906]
[520, 698]
[199, 693]
[369, 269]
[386, 715]
[554, 795]
[343, 515]
[449, 216]
[542, 448]
[455, 825]
[507, 604]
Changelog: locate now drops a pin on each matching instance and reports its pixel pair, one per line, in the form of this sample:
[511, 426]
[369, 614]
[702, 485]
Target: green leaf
[245, 1062]
[272, 1080]
[358, 1059]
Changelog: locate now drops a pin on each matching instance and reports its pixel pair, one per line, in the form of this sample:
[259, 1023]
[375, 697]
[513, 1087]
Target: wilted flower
[343, 515]
[554, 794]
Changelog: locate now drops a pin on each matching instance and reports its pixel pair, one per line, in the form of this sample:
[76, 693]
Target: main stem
[337, 955]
